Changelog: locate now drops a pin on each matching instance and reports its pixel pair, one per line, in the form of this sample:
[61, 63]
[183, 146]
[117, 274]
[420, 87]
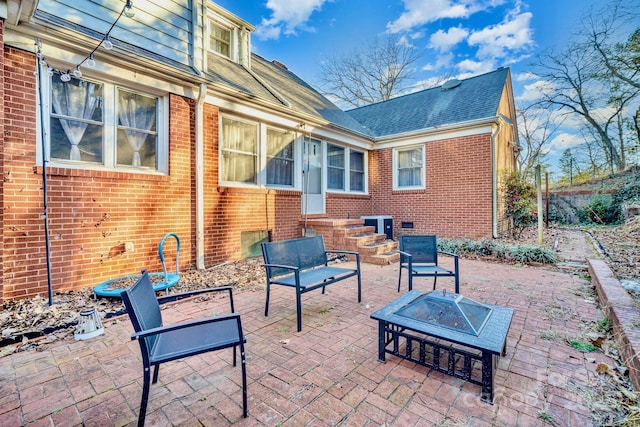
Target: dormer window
[220, 39]
[227, 36]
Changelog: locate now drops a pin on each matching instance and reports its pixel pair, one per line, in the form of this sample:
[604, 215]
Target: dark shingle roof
[279, 85]
[472, 99]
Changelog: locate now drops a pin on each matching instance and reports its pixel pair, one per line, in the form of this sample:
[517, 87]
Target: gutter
[393, 139]
[200, 176]
[494, 179]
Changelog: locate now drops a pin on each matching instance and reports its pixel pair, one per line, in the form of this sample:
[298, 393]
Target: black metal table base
[440, 355]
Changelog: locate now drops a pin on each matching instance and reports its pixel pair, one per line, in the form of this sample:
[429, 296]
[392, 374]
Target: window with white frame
[409, 168]
[335, 167]
[101, 124]
[356, 170]
[220, 38]
[345, 169]
[280, 157]
[239, 149]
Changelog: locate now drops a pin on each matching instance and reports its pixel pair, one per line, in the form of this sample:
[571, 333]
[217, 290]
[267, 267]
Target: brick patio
[328, 374]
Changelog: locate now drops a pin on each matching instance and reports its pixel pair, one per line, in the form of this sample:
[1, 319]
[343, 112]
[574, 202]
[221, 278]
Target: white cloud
[526, 76]
[420, 12]
[469, 67]
[498, 41]
[564, 141]
[288, 17]
[444, 40]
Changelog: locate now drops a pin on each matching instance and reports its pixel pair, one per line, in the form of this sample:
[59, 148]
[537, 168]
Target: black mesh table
[446, 332]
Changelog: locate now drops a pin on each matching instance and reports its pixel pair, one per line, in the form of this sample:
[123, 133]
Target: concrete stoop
[623, 314]
[353, 235]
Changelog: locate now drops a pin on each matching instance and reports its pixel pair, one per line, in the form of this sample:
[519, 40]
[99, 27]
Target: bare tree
[602, 27]
[575, 85]
[536, 127]
[377, 72]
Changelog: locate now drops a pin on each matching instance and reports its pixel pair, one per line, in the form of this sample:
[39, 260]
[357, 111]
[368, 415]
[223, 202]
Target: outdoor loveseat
[303, 264]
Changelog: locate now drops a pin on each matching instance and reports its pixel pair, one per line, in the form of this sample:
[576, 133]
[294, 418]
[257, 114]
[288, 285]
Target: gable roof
[456, 101]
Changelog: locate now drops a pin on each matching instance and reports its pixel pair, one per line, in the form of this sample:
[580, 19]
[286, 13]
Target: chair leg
[244, 380]
[156, 369]
[266, 304]
[410, 280]
[235, 347]
[299, 310]
[399, 277]
[434, 281]
[146, 375]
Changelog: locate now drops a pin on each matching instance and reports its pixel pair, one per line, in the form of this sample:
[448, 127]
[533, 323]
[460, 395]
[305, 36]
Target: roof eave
[435, 131]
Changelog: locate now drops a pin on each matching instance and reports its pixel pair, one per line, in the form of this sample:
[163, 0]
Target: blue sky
[456, 38]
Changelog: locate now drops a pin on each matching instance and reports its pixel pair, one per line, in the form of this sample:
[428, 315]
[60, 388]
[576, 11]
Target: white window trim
[262, 156]
[347, 171]
[233, 43]
[110, 131]
[422, 185]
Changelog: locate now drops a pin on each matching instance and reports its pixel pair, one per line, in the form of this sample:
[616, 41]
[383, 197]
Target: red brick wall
[230, 211]
[92, 214]
[457, 201]
[2, 162]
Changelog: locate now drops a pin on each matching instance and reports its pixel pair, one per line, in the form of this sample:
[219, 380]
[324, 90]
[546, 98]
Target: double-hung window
[254, 154]
[345, 169]
[102, 125]
[356, 170]
[335, 167]
[409, 168]
[220, 38]
[239, 151]
[280, 163]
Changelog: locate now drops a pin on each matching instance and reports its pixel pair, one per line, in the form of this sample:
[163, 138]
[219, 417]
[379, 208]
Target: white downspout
[200, 177]
[494, 178]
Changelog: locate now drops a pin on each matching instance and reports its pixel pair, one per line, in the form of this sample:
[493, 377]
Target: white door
[312, 188]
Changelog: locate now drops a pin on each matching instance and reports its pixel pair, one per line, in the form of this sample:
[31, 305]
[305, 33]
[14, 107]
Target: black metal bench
[303, 264]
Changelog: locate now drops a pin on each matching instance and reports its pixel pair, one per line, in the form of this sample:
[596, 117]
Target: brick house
[179, 128]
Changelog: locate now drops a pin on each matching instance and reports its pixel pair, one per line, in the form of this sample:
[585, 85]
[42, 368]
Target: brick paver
[328, 374]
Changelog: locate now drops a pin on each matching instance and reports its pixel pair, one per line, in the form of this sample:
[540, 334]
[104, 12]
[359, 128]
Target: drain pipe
[200, 176]
[494, 178]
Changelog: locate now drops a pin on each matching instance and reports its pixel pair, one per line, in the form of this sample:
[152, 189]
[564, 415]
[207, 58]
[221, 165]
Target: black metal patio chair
[159, 343]
[419, 256]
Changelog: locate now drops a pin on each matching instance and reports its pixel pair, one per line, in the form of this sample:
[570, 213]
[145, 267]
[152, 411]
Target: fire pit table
[446, 332]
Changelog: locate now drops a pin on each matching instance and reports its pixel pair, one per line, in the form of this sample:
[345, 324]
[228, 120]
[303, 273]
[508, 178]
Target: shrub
[520, 202]
[491, 248]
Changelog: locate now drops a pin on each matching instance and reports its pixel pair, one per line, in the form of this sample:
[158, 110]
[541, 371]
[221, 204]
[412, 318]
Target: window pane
[76, 120]
[335, 167]
[239, 151]
[220, 39]
[410, 168]
[356, 177]
[137, 137]
[279, 157]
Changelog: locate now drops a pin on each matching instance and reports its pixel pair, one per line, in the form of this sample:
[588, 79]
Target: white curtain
[74, 101]
[134, 112]
[239, 151]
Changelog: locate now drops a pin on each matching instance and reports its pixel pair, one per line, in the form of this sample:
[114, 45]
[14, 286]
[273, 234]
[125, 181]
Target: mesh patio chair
[160, 344]
[419, 256]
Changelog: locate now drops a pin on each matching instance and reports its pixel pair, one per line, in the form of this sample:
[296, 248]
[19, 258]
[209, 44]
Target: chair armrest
[182, 325]
[288, 267]
[178, 297]
[451, 254]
